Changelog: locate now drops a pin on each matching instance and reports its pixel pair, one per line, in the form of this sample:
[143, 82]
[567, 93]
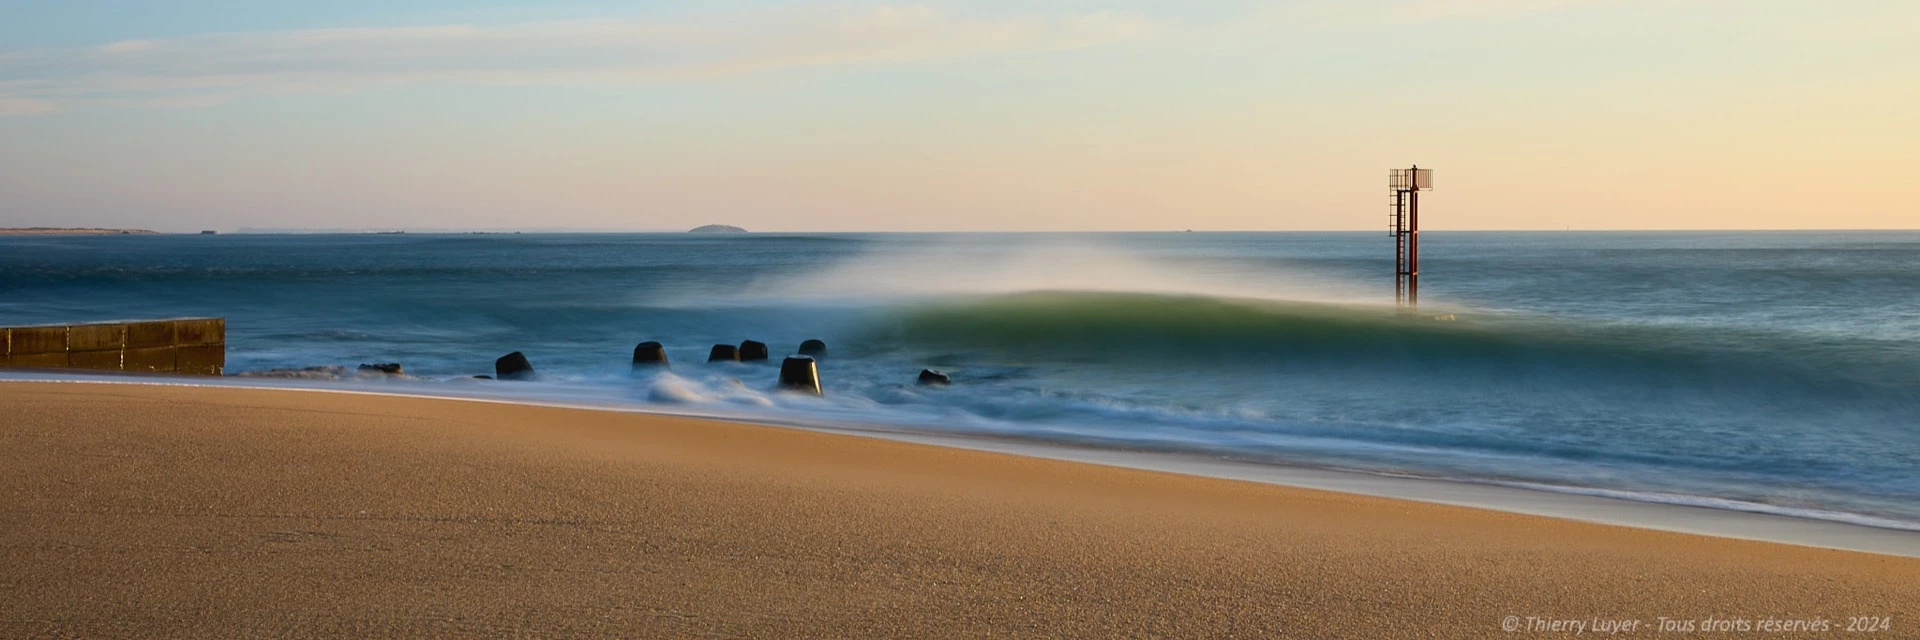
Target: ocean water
[1772, 372]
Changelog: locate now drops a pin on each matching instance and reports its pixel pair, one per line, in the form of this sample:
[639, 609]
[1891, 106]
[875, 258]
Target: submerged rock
[813, 349]
[328, 372]
[934, 378]
[387, 368]
[513, 366]
[724, 353]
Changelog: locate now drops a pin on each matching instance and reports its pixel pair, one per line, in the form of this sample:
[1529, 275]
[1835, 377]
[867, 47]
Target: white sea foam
[669, 388]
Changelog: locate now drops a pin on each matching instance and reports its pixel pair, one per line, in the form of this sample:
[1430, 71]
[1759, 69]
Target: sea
[1773, 372]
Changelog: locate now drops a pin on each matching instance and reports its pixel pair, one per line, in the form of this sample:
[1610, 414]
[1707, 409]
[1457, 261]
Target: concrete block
[151, 359]
[649, 354]
[202, 331]
[513, 366]
[100, 360]
[193, 346]
[799, 373]
[205, 360]
[143, 335]
[36, 340]
[96, 337]
[57, 360]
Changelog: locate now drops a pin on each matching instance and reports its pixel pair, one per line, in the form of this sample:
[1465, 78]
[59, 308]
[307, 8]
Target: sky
[958, 116]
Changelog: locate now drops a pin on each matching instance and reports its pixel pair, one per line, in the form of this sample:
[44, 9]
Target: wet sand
[156, 511]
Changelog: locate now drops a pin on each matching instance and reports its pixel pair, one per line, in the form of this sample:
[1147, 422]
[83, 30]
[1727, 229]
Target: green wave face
[1124, 326]
[1128, 329]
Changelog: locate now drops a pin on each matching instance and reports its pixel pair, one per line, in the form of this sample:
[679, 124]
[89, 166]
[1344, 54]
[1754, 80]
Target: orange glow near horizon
[1573, 115]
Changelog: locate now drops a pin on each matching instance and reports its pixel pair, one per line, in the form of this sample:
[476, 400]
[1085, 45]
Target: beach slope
[169, 511]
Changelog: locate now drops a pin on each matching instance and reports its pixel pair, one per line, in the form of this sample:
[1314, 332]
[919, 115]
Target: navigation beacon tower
[1404, 225]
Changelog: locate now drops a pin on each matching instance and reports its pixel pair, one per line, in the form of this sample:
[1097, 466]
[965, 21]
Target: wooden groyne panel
[190, 346]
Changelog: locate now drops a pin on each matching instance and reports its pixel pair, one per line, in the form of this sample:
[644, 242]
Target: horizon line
[590, 230]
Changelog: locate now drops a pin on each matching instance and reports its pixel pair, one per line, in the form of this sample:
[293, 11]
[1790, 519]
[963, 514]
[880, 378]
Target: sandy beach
[159, 511]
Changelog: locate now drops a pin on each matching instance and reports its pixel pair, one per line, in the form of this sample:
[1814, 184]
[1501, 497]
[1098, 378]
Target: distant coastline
[74, 231]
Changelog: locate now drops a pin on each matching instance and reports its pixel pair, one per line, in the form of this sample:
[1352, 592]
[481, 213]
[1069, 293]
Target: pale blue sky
[957, 115]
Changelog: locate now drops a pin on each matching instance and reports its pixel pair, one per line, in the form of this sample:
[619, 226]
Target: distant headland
[717, 228]
[66, 231]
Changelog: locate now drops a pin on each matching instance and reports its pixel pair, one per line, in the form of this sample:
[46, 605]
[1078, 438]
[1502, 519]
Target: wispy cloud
[25, 106]
[1362, 14]
[207, 69]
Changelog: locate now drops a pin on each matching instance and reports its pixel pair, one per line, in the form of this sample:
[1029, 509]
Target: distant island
[66, 231]
[717, 228]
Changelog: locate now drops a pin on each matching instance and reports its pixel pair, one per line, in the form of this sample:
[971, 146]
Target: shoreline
[1573, 504]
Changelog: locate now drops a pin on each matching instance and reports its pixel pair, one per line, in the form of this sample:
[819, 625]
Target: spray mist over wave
[968, 267]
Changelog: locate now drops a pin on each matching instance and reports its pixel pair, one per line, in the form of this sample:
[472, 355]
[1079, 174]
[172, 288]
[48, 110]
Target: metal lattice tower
[1404, 223]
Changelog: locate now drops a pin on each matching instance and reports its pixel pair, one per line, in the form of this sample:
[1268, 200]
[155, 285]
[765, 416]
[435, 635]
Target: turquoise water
[1771, 372]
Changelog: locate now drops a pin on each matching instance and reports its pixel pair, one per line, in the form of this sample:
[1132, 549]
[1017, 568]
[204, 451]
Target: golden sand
[153, 511]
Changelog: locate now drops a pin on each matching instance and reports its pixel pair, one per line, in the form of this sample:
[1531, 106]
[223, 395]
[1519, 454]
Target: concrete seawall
[190, 346]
